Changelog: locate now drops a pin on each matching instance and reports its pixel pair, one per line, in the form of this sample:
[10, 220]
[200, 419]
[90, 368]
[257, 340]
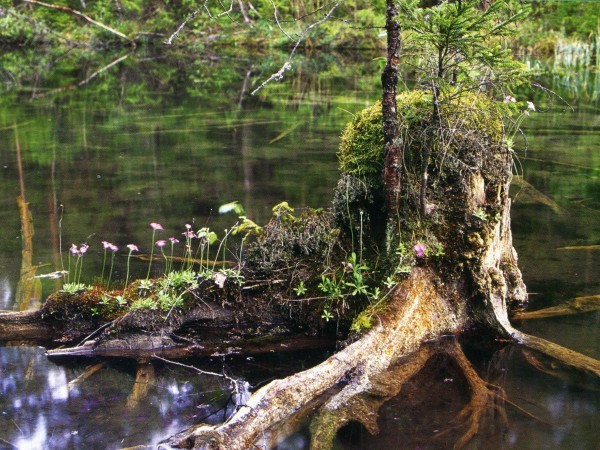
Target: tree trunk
[389, 80]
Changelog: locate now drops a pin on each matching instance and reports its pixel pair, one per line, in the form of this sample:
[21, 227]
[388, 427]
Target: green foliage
[74, 288]
[462, 46]
[361, 145]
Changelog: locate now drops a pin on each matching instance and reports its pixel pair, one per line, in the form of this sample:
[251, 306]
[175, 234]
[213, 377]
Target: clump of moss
[287, 238]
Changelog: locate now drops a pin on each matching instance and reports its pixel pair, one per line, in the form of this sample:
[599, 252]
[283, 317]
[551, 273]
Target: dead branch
[277, 76]
[181, 27]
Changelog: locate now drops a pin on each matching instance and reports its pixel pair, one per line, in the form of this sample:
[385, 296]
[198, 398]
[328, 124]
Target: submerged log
[578, 305]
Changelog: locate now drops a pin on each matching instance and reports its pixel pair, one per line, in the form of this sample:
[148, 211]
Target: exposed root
[417, 313]
[361, 399]
[486, 399]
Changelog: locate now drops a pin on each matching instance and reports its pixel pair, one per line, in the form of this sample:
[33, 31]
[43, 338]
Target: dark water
[102, 162]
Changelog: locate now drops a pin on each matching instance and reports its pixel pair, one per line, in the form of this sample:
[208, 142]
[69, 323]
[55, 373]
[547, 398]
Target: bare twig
[278, 76]
[84, 16]
[181, 27]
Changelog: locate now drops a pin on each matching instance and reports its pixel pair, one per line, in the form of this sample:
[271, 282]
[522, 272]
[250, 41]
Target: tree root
[486, 399]
[417, 312]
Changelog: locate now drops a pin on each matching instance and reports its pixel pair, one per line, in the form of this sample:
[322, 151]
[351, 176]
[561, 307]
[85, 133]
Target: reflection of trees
[29, 288]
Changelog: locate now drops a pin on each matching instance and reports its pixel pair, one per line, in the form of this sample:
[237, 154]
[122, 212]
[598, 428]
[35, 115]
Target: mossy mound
[361, 152]
[466, 160]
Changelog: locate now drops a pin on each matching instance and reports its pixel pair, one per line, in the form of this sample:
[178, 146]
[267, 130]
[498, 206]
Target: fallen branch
[578, 305]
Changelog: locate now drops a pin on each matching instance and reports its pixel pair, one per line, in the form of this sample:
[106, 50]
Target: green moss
[361, 152]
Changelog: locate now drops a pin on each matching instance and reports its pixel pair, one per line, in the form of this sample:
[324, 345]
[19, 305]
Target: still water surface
[95, 168]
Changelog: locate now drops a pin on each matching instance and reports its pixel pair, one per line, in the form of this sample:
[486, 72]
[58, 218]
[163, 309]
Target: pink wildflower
[74, 249]
[156, 226]
[133, 247]
[189, 234]
[112, 247]
[161, 243]
[83, 248]
[174, 240]
[419, 249]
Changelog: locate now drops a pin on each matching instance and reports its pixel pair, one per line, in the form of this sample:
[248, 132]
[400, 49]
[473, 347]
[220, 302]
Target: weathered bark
[26, 326]
[418, 311]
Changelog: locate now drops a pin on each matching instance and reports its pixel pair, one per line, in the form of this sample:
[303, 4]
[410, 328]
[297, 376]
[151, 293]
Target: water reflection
[117, 164]
[39, 410]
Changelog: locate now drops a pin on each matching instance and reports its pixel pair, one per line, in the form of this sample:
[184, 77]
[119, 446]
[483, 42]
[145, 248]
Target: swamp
[172, 243]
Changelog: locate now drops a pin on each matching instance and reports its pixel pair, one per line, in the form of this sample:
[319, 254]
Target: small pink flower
[106, 245]
[419, 249]
[133, 247]
[74, 249]
[188, 226]
[509, 99]
[156, 226]
[174, 240]
[161, 243]
[530, 106]
[83, 248]
[347, 265]
[189, 234]
[112, 247]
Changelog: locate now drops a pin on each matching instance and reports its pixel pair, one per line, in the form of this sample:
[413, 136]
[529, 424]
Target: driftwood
[578, 305]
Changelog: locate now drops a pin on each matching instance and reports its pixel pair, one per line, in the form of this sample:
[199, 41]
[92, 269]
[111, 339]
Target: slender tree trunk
[389, 80]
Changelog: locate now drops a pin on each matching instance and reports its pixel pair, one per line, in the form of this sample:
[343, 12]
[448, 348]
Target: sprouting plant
[389, 282]
[439, 250]
[168, 300]
[132, 248]
[74, 288]
[481, 214]
[144, 287]
[300, 289]
[155, 226]
[144, 303]
[326, 314]
[330, 288]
